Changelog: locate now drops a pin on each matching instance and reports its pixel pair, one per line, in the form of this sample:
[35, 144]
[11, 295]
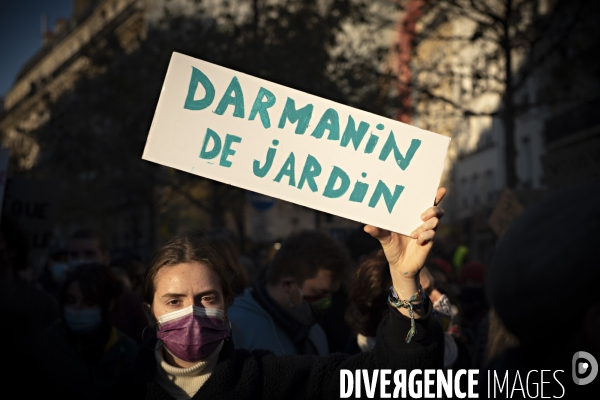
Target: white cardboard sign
[247, 132]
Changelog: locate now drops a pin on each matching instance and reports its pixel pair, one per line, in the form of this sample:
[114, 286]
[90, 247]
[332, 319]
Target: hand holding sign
[273, 140]
[406, 254]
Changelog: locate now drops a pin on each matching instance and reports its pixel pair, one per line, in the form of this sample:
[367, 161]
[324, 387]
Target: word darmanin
[338, 182]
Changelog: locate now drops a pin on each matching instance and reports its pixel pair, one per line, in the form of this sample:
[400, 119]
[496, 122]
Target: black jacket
[260, 374]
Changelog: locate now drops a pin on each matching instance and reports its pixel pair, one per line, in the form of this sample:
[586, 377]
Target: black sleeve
[313, 377]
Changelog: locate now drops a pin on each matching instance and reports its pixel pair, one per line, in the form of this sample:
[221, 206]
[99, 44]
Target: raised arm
[406, 254]
[321, 377]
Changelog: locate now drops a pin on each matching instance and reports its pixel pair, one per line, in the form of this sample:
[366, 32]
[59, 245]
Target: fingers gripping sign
[406, 254]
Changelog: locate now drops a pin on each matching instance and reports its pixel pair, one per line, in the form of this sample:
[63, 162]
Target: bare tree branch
[455, 105]
[551, 48]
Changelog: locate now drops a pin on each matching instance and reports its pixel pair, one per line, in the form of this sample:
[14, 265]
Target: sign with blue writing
[244, 131]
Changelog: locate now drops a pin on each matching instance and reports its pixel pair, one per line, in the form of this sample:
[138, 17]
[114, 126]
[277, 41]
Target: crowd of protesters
[202, 318]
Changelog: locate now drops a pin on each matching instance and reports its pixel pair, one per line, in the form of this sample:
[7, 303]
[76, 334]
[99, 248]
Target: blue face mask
[59, 271]
[83, 321]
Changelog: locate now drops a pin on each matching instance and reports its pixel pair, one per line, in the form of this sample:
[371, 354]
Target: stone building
[67, 55]
[460, 90]
[63, 58]
[57, 65]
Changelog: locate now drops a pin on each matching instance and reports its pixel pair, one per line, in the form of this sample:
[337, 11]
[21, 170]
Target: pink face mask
[192, 333]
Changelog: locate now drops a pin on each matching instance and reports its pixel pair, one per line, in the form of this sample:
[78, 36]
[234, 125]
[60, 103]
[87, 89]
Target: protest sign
[244, 131]
[33, 203]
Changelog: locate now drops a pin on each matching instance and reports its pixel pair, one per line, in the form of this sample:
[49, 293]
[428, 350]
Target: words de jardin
[338, 182]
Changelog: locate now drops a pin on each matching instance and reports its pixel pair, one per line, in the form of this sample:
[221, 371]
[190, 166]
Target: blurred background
[514, 83]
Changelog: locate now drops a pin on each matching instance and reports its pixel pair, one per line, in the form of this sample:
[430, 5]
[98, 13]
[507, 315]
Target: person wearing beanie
[542, 283]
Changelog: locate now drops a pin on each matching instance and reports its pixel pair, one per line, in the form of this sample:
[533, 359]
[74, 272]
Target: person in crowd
[190, 353]
[123, 277]
[23, 303]
[25, 310]
[133, 267]
[231, 256]
[472, 302]
[359, 245]
[492, 339]
[367, 295]
[54, 272]
[441, 303]
[459, 252]
[542, 283]
[367, 306]
[443, 266]
[249, 260]
[82, 354]
[280, 313]
[87, 246]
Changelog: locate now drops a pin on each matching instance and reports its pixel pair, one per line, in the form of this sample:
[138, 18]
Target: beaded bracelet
[396, 302]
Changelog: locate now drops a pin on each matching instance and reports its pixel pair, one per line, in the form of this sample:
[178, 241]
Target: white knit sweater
[183, 383]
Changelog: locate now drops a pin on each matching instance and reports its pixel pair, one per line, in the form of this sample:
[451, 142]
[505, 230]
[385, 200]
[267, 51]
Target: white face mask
[303, 312]
[83, 321]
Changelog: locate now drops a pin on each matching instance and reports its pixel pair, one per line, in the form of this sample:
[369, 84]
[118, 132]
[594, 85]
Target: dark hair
[97, 282]
[131, 265]
[361, 244]
[189, 247]
[367, 294]
[304, 254]
[498, 337]
[231, 256]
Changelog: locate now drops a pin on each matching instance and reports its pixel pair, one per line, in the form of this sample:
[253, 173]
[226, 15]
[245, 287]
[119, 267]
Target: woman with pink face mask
[188, 351]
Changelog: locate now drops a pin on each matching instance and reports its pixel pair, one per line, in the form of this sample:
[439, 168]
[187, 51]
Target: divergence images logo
[583, 363]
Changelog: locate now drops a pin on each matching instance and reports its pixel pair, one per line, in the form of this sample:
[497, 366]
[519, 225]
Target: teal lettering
[288, 169]
[330, 191]
[199, 78]
[311, 170]
[301, 116]
[390, 144]
[359, 192]
[261, 172]
[390, 199]
[260, 107]
[351, 133]
[216, 148]
[227, 151]
[329, 121]
[373, 139]
[233, 96]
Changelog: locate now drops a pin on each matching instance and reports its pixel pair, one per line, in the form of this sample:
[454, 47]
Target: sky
[20, 33]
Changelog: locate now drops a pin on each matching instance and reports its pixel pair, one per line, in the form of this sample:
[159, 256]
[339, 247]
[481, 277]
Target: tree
[499, 47]
[96, 133]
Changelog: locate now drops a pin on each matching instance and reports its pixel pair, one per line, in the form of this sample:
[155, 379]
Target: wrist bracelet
[396, 302]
